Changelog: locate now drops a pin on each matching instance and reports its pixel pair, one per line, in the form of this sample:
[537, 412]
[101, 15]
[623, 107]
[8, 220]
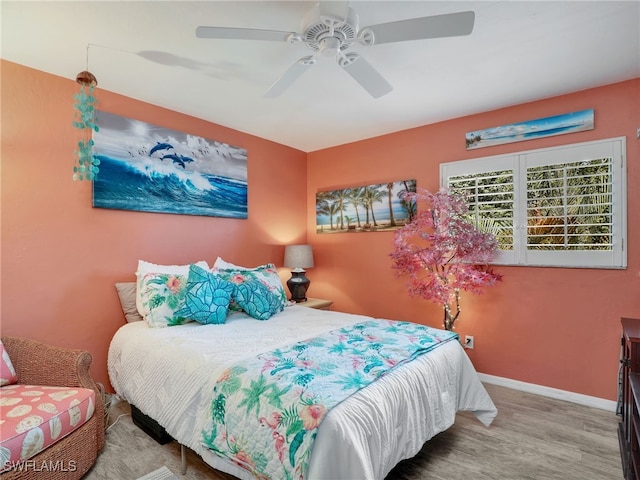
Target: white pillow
[146, 267]
[220, 263]
[224, 265]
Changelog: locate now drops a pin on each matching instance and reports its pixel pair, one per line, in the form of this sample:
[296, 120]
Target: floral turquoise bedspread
[266, 410]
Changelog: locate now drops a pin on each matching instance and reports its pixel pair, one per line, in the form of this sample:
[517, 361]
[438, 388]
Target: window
[561, 206]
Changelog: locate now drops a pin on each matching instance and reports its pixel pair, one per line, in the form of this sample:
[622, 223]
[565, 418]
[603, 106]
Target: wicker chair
[39, 364]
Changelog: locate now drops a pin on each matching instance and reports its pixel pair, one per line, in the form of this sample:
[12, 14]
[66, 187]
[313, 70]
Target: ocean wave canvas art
[149, 168]
[529, 130]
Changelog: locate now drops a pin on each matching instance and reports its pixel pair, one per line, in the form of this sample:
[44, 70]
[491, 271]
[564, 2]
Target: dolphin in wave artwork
[160, 146]
[178, 159]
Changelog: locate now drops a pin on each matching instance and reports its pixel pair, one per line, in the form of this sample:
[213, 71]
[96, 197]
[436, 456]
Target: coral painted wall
[61, 257]
[555, 327]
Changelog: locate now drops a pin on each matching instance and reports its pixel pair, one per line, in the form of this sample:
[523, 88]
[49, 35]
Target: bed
[170, 373]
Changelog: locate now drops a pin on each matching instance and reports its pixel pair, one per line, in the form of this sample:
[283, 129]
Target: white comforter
[169, 374]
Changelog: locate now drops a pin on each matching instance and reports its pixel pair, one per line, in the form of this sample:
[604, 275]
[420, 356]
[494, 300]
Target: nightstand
[317, 303]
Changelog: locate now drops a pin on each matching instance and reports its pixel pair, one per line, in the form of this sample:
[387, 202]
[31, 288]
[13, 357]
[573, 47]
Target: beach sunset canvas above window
[148, 168]
[376, 207]
[542, 127]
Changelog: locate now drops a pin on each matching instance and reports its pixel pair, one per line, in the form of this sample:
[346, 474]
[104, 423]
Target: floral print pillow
[162, 295]
[145, 268]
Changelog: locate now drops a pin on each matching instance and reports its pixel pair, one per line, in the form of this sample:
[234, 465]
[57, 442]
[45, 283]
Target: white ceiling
[519, 51]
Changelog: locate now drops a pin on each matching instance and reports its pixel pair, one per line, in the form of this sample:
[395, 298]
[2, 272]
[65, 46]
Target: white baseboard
[556, 393]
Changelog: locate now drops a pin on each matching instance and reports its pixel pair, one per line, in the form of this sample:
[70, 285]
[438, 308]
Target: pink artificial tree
[441, 253]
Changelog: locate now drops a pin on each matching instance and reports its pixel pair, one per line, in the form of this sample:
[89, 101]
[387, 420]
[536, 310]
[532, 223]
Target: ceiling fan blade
[166, 58]
[290, 76]
[436, 26]
[243, 34]
[363, 73]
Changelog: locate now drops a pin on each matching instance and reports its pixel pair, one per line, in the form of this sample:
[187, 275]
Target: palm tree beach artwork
[154, 169]
[370, 208]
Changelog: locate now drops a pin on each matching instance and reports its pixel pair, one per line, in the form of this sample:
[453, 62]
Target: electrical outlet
[638, 133]
[468, 341]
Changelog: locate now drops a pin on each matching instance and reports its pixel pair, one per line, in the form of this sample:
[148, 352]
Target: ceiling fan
[331, 28]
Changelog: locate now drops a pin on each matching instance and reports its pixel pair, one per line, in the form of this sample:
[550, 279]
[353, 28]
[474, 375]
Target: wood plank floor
[532, 438]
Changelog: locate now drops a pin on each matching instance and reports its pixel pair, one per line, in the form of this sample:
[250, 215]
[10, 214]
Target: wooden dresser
[629, 427]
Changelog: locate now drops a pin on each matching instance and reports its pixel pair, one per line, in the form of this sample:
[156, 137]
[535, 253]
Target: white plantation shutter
[491, 205]
[561, 206]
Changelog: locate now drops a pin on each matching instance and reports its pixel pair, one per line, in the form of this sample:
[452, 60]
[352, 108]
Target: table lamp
[298, 257]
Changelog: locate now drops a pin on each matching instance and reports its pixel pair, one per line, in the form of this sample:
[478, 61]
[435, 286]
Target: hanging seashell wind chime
[86, 166]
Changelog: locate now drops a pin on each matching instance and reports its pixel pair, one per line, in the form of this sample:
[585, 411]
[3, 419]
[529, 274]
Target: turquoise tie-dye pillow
[207, 297]
[257, 300]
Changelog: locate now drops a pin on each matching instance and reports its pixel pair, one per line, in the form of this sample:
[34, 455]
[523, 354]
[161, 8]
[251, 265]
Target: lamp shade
[298, 256]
